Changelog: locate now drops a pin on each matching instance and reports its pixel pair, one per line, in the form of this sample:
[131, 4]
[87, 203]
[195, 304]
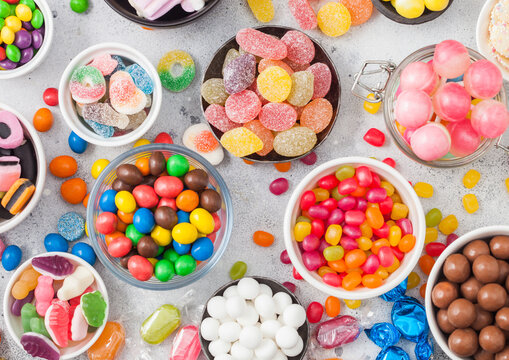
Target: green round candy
[133, 234]
[37, 19]
[2, 22]
[79, 6]
[13, 53]
[238, 270]
[160, 250]
[171, 255]
[177, 165]
[185, 265]
[164, 270]
[433, 217]
[345, 172]
[5, 9]
[29, 3]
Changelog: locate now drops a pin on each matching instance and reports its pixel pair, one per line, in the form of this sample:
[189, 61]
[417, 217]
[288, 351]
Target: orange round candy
[126, 217]
[283, 167]
[43, 120]
[121, 226]
[332, 306]
[187, 200]
[406, 243]
[85, 200]
[352, 280]
[108, 238]
[338, 265]
[142, 165]
[360, 10]
[263, 238]
[422, 290]
[355, 258]
[73, 190]
[371, 281]
[426, 262]
[63, 166]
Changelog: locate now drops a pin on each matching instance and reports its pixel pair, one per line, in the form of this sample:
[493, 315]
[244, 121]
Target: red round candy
[317, 227]
[168, 202]
[168, 186]
[314, 312]
[390, 161]
[120, 246]
[145, 196]
[106, 223]
[296, 275]
[332, 279]
[3, 55]
[348, 186]
[50, 96]
[307, 200]
[434, 248]
[364, 176]
[140, 268]
[163, 138]
[217, 222]
[328, 182]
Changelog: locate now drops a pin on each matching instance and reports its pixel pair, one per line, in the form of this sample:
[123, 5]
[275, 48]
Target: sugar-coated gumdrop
[78, 326]
[213, 91]
[451, 102]
[300, 48]
[263, 10]
[451, 59]
[336, 332]
[105, 64]
[57, 322]
[230, 55]
[267, 63]
[241, 142]
[303, 13]
[295, 141]
[87, 85]
[413, 108]
[239, 74]
[264, 134]
[334, 19]
[141, 78]
[43, 294]
[243, 106]
[483, 79]
[322, 79]
[54, 266]
[360, 10]
[274, 84]
[464, 139]
[317, 115]
[166, 71]
[431, 142]
[40, 346]
[76, 283]
[490, 118]
[109, 344]
[160, 324]
[420, 76]
[216, 116]
[103, 130]
[104, 114]
[186, 344]
[125, 97]
[278, 116]
[302, 88]
[94, 308]
[260, 44]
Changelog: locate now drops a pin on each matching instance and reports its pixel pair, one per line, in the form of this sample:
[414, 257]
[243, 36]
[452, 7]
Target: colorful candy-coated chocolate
[77, 144]
[50, 96]
[160, 324]
[84, 251]
[109, 344]
[11, 257]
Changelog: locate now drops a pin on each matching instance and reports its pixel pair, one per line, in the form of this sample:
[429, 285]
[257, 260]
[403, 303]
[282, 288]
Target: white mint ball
[218, 347]
[250, 337]
[265, 305]
[248, 288]
[265, 289]
[279, 356]
[235, 306]
[209, 329]
[225, 357]
[269, 328]
[266, 350]
[296, 350]
[216, 307]
[250, 317]
[229, 331]
[294, 315]
[267, 318]
[287, 337]
[282, 301]
[240, 352]
[226, 319]
[231, 291]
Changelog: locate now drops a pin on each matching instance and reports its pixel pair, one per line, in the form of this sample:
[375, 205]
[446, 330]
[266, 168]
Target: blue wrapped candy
[141, 78]
[383, 334]
[423, 350]
[393, 353]
[409, 317]
[397, 293]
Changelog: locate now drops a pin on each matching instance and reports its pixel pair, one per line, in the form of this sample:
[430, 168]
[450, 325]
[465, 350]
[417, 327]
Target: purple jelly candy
[239, 74]
[27, 25]
[336, 332]
[8, 64]
[312, 260]
[23, 39]
[42, 30]
[39, 345]
[26, 55]
[309, 159]
[290, 286]
[37, 38]
[278, 186]
[54, 266]
[285, 259]
[337, 216]
[18, 304]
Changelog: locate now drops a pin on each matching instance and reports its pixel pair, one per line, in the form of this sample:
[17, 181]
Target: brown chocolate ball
[443, 294]
[463, 342]
[476, 248]
[210, 200]
[196, 179]
[492, 297]
[482, 354]
[443, 322]
[165, 217]
[492, 339]
[456, 268]
[503, 355]
[499, 246]
[125, 259]
[118, 185]
[461, 313]
[470, 288]
[502, 318]
[147, 247]
[129, 174]
[483, 318]
[485, 269]
[156, 163]
[503, 267]
[507, 283]
[149, 180]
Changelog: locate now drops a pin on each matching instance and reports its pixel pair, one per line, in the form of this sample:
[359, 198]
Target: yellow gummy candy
[274, 84]
[470, 203]
[370, 107]
[334, 19]
[471, 178]
[423, 190]
[413, 280]
[241, 142]
[448, 225]
[263, 10]
[353, 304]
[409, 9]
[507, 184]
[436, 5]
[431, 235]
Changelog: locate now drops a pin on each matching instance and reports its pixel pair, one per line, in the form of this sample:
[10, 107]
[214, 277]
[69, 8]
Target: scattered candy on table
[170, 81]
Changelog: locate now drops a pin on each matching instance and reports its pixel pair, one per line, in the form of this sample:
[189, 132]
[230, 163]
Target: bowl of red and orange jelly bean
[354, 228]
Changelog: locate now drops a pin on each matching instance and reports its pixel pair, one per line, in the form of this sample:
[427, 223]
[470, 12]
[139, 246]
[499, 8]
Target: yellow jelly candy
[394, 235]
[353, 304]
[394, 266]
[409, 9]
[413, 280]
[399, 211]
[423, 190]
[431, 235]
[471, 178]
[274, 84]
[241, 142]
[263, 10]
[448, 225]
[436, 5]
[301, 230]
[98, 166]
[470, 203]
[333, 234]
[141, 142]
[23, 12]
[364, 243]
[334, 19]
[321, 194]
[388, 187]
[7, 35]
[370, 107]
[507, 184]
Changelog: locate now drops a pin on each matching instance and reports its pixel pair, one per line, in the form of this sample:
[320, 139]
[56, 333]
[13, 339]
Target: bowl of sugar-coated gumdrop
[412, 12]
[159, 217]
[467, 296]
[55, 306]
[271, 94]
[354, 228]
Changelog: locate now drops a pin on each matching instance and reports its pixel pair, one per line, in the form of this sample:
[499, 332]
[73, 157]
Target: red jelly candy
[301, 49]
[434, 249]
[364, 176]
[328, 182]
[314, 312]
[303, 13]
[165, 138]
[374, 137]
[278, 116]
[290, 286]
[260, 44]
[2, 54]
[243, 106]
[307, 200]
[332, 279]
[285, 259]
[398, 253]
[390, 161]
[322, 79]
[451, 238]
[279, 186]
[296, 275]
[309, 159]
[216, 116]
[317, 228]
[348, 186]
[50, 96]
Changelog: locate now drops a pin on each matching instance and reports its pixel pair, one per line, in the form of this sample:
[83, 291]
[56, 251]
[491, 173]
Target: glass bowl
[103, 183]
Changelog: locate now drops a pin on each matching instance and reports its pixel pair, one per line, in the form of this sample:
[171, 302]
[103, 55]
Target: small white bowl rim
[481, 233]
[100, 285]
[69, 113]
[7, 225]
[43, 51]
[359, 294]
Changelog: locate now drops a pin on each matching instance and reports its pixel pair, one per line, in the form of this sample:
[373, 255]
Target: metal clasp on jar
[372, 67]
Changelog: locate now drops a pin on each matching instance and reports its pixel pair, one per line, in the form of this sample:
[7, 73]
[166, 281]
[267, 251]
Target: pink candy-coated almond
[278, 116]
[260, 44]
[301, 49]
[278, 186]
[216, 116]
[303, 13]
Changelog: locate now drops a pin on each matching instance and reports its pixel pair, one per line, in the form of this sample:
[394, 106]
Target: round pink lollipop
[419, 75]
[451, 102]
[464, 139]
[431, 142]
[413, 108]
[490, 118]
[451, 59]
[483, 79]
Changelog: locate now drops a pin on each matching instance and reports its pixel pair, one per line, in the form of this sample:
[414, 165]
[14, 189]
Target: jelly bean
[378, 244]
[77, 144]
[351, 281]
[43, 119]
[317, 227]
[374, 137]
[413, 280]
[98, 166]
[374, 218]
[433, 217]
[399, 211]
[345, 172]
[355, 258]
[422, 290]
[394, 235]
[332, 279]
[279, 186]
[238, 270]
[406, 226]
[383, 232]
[371, 265]
[140, 268]
[426, 262]
[471, 178]
[434, 249]
[376, 195]
[109, 344]
[79, 6]
[334, 19]
[386, 256]
[284, 258]
[328, 182]
[314, 312]
[507, 184]
[333, 234]
[160, 324]
[423, 190]
[333, 253]
[321, 194]
[283, 167]
[448, 225]
[371, 107]
[11, 257]
[85, 252]
[55, 242]
[324, 270]
[290, 286]
[263, 238]
[470, 203]
[301, 230]
[354, 217]
[451, 238]
[372, 281]
[353, 304]
[407, 243]
[332, 306]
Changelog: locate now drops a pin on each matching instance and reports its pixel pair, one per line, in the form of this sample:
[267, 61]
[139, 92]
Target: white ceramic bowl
[67, 103]
[482, 36]
[15, 327]
[43, 51]
[409, 197]
[31, 134]
[436, 272]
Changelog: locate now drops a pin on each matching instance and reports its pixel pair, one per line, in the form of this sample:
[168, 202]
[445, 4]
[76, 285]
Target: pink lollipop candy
[451, 102]
[431, 142]
[483, 80]
[490, 118]
[451, 59]
[419, 75]
[464, 139]
[413, 108]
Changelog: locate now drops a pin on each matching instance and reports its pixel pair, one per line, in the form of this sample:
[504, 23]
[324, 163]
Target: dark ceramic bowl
[386, 8]
[214, 70]
[173, 18]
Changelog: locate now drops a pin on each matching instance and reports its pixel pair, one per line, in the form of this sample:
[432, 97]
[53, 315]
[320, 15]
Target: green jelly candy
[133, 234]
[13, 53]
[164, 270]
[336, 195]
[433, 217]
[160, 324]
[28, 312]
[303, 219]
[238, 270]
[12, 10]
[94, 308]
[29, 3]
[345, 172]
[5, 9]
[79, 6]
[176, 70]
[177, 165]
[37, 326]
[171, 255]
[185, 265]
[37, 19]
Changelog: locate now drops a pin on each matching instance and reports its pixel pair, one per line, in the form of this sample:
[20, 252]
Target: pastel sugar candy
[300, 48]
[10, 171]
[104, 114]
[263, 10]
[483, 79]
[254, 87]
[136, 120]
[213, 91]
[57, 322]
[360, 10]
[303, 13]
[186, 344]
[28, 311]
[11, 132]
[216, 116]
[413, 108]
[109, 344]
[295, 141]
[317, 115]
[76, 283]
[239, 73]
[334, 19]
[322, 79]
[141, 78]
[243, 106]
[54, 266]
[160, 324]
[43, 294]
[125, 97]
[295, 66]
[229, 57]
[37, 326]
[267, 63]
[39, 346]
[264, 134]
[105, 64]
[192, 5]
[419, 76]
[274, 84]
[451, 59]
[278, 116]
[120, 64]
[241, 142]
[17, 305]
[105, 131]
[451, 102]
[87, 85]
[464, 139]
[302, 88]
[431, 142]
[260, 44]
[490, 118]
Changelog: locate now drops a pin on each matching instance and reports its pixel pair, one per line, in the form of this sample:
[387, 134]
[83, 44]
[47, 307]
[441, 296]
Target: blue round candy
[183, 216]
[11, 257]
[143, 220]
[71, 226]
[107, 201]
[181, 249]
[202, 249]
[55, 242]
[85, 252]
[77, 144]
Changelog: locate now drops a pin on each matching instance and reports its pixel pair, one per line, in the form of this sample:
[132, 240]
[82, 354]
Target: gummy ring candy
[167, 72]
[87, 85]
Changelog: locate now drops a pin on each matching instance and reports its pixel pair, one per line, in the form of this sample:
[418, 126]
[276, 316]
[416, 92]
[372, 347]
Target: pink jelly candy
[374, 137]
[451, 102]
[104, 63]
[300, 48]
[2, 248]
[451, 59]
[278, 116]
[239, 74]
[309, 159]
[54, 266]
[290, 286]
[419, 76]
[78, 325]
[186, 345]
[40, 346]
[464, 139]
[336, 332]
[260, 44]
[490, 118]
[216, 116]
[483, 79]
[243, 106]
[264, 134]
[322, 79]
[314, 312]
[284, 258]
[413, 108]
[303, 13]
[431, 142]
[279, 186]
[57, 322]
[76, 300]
[44, 293]
[295, 66]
